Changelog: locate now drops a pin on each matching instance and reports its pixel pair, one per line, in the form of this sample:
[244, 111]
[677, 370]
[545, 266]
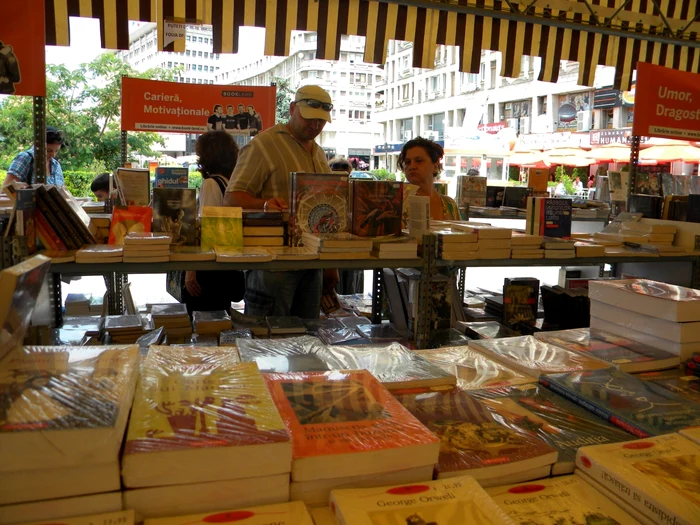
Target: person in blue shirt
[22, 167]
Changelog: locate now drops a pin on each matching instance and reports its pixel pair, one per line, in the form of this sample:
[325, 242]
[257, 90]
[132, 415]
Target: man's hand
[276, 203]
[330, 279]
[191, 284]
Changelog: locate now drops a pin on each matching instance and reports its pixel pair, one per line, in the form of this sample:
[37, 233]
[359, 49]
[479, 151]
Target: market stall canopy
[616, 33]
[610, 153]
[571, 160]
[553, 154]
[671, 153]
[531, 159]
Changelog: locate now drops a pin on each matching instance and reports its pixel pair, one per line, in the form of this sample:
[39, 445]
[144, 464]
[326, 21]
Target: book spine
[593, 408]
[64, 214]
[640, 500]
[42, 201]
[47, 236]
[82, 231]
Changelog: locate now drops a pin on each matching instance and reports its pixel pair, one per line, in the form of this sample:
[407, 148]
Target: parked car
[362, 175]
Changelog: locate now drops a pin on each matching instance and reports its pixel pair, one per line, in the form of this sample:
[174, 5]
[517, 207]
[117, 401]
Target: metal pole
[39, 113]
[634, 165]
[124, 148]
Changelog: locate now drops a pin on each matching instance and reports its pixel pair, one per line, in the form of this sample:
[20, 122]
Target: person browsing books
[421, 161]
[100, 187]
[261, 181]
[22, 167]
[217, 154]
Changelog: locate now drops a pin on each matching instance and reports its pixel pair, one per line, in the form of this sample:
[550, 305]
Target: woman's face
[418, 167]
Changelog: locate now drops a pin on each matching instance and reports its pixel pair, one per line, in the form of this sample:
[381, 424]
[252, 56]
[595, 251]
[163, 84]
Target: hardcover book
[640, 407]
[473, 370]
[292, 513]
[347, 424]
[449, 501]
[197, 412]
[133, 186]
[175, 213]
[549, 217]
[472, 441]
[319, 204]
[532, 357]
[65, 406]
[471, 191]
[221, 226]
[376, 207]
[171, 177]
[561, 424]
[561, 500]
[657, 476]
[520, 298]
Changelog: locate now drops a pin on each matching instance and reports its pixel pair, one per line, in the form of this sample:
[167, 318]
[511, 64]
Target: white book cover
[452, 501]
[559, 500]
[418, 216]
[122, 517]
[659, 476]
[617, 500]
[292, 513]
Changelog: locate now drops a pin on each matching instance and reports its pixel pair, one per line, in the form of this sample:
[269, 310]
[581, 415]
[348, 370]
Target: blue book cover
[642, 408]
[171, 177]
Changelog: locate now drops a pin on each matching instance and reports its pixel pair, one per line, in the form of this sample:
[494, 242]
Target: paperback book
[221, 226]
[471, 191]
[171, 177]
[376, 207]
[292, 513]
[318, 204]
[175, 213]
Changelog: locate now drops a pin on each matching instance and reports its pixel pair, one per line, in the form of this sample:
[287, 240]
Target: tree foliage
[284, 97]
[85, 104]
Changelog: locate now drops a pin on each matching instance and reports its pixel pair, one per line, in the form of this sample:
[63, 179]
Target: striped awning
[616, 33]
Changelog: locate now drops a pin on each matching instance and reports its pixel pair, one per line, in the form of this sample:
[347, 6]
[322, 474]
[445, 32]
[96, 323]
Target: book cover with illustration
[658, 476]
[564, 500]
[520, 298]
[345, 423]
[647, 184]
[318, 204]
[64, 406]
[197, 412]
[642, 408]
[171, 177]
[619, 183]
[292, 513]
[471, 191]
[454, 501]
[561, 424]
[473, 370]
[221, 226]
[376, 207]
[175, 213]
[626, 355]
[677, 381]
[472, 441]
[532, 357]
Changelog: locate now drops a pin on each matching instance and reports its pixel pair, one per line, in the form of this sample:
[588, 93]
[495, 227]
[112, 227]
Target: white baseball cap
[314, 103]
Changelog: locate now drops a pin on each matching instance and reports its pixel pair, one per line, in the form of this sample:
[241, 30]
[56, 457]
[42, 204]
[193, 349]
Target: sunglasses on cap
[316, 104]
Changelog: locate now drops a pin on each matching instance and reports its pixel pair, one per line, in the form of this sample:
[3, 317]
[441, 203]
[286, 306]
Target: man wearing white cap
[260, 180]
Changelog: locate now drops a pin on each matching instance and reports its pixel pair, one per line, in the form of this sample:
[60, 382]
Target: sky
[85, 44]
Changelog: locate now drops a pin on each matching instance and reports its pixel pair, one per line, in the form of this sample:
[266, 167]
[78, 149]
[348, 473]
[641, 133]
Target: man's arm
[245, 200]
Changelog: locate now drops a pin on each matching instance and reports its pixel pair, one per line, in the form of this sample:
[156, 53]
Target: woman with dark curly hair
[421, 162]
[217, 153]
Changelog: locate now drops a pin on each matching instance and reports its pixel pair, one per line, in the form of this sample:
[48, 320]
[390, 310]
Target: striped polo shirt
[265, 163]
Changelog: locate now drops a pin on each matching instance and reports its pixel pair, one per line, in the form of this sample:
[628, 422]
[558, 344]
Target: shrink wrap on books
[292, 354]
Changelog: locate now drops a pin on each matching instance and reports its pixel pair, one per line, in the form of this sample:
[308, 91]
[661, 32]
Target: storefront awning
[616, 33]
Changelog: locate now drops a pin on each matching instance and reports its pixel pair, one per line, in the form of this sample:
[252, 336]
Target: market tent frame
[616, 33]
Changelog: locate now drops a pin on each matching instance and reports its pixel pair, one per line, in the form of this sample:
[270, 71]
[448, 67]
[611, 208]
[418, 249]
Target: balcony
[405, 45]
[440, 63]
[405, 102]
[379, 105]
[406, 73]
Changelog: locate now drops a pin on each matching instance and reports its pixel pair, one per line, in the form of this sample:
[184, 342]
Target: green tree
[284, 98]
[85, 103]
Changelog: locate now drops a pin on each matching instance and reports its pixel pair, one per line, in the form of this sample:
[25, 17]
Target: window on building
[206, 68]
[199, 53]
[342, 112]
[170, 64]
[187, 79]
[199, 67]
[493, 75]
[187, 37]
[200, 39]
[608, 115]
[541, 105]
[343, 93]
[629, 115]
[343, 75]
[405, 93]
[187, 52]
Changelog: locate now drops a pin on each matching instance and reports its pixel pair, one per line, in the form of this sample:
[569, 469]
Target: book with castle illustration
[318, 204]
[552, 419]
[658, 476]
[454, 501]
[292, 513]
[474, 443]
[558, 501]
[347, 424]
[198, 412]
[64, 406]
[642, 408]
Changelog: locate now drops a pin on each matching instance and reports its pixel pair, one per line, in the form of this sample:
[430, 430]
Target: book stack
[219, 440]
[456, 245]
[657, 314]
[652, 232]
[256, 325]
[328, 416]
[213, 322]
[656, 479]
[558, 249]
[492, 242]
[191, 253]
[142, 247]
[375, 207]
[293, 354]
[99, 227]
[588, 249]
[127, 328]
[525, 246]
[99, 253]
[675, 380]
[60, 437]
[550, 217]
[60, 221]
[294, 512]
[395, 247]
[263, 235]
[174, 319]
[486, 330]
[245, 254]
[280, 326]
[338, 245]
[456, 500]
[78, 304]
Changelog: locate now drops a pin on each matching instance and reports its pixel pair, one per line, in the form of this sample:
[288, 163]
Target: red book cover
[376, 207]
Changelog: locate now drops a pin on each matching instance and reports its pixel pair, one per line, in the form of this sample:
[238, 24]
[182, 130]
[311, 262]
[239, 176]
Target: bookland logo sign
[668, 103]
[153, 105]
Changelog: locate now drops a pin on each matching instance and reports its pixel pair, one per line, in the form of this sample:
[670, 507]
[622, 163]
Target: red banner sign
[493, 127]
[152, 105]
[22, 53]
[667, 103]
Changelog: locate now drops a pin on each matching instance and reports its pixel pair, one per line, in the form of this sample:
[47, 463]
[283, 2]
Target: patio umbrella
[529, 158]
[571, 160]
[671, 153]
[610, 153]
[552, 154]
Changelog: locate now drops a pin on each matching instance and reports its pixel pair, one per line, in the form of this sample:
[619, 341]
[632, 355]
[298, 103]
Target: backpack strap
[222, 182]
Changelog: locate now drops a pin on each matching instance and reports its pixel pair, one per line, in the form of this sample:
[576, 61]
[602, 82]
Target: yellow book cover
[221, 226]
[292, 513]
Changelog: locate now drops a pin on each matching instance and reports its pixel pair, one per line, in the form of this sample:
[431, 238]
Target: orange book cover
[344, 412]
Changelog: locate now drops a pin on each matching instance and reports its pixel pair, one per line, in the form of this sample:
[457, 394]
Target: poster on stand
[667, 103]
[22, 53]
[153, 105]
